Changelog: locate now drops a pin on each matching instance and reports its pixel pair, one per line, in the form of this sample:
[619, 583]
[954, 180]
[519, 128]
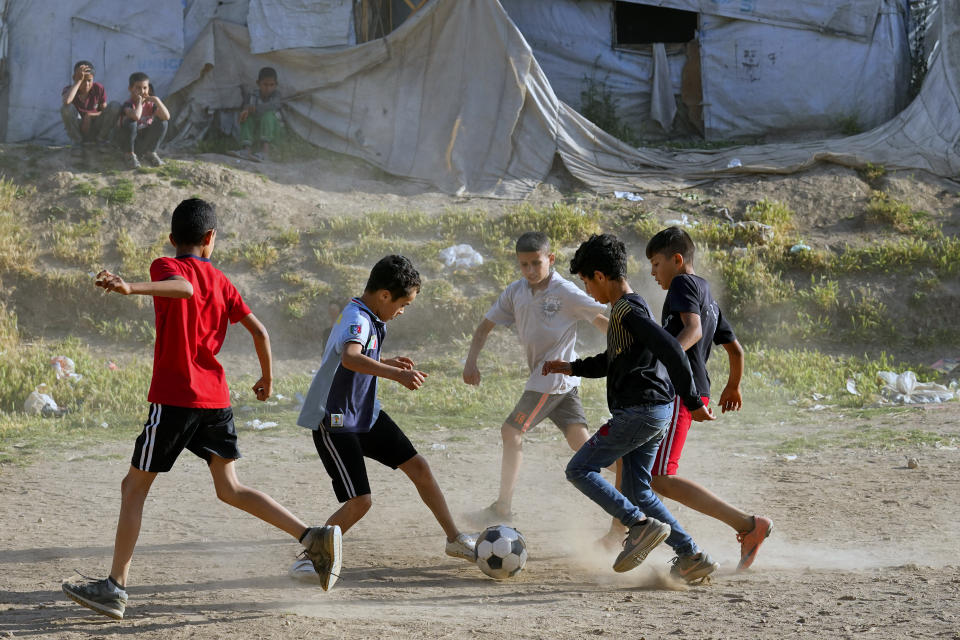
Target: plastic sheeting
[289, 24]
[455, 98]
[759, 76]
[760, 79]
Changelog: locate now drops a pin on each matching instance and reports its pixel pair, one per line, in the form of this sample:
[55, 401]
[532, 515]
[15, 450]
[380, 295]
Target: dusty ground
[863, 546]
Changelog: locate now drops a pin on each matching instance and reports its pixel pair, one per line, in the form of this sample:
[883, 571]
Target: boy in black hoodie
[640, 396]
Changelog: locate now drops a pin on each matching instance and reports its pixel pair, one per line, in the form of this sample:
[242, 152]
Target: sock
[303, 535]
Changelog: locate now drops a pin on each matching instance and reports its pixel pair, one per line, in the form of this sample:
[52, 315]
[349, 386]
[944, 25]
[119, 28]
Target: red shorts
[668, 455]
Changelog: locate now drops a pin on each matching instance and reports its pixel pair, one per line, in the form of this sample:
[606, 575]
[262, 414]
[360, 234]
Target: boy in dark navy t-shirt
[190, 402]
[693, 317]
[343, 412]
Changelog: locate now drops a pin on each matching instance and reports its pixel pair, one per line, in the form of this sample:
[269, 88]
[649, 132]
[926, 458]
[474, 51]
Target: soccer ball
[501, 552]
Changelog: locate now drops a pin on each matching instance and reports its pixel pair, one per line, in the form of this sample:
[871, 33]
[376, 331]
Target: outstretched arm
[354, 360]
[261, 342]
[173, 287]
[730, 399]
[471, 372]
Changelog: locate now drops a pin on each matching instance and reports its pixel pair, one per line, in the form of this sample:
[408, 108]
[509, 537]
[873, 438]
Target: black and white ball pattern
[501, 552]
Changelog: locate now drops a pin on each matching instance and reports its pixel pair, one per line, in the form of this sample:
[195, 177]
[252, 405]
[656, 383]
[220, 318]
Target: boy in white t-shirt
[546, 309]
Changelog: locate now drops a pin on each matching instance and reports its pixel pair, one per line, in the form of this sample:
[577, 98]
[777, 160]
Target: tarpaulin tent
[456, 98]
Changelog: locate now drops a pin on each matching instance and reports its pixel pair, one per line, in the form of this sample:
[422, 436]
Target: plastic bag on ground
[65, 368]
[903, 388]
[40, 402]
[461, 255]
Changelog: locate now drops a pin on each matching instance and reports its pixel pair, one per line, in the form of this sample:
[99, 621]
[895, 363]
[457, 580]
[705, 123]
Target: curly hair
[396, 274]
[604, 253]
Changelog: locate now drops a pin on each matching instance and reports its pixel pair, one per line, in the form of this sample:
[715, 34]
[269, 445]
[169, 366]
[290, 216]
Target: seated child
[143, 123]
[259, 119]
[344, 413]
[86, 115]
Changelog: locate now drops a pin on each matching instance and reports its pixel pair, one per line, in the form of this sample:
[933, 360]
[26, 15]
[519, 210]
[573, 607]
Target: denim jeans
[633, 434]
[132, 139]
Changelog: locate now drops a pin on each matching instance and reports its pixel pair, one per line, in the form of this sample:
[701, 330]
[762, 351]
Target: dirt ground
[862, 547]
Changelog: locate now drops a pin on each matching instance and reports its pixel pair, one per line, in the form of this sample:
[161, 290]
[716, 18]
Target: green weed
[886, 210]
[121, 192]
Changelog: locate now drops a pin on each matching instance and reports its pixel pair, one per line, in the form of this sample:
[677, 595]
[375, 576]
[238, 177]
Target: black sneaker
[100, 595]
[693, 567]
[640, 541]
[322, 545]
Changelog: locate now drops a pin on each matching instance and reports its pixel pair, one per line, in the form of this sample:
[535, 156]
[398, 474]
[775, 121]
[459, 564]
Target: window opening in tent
[642, 24]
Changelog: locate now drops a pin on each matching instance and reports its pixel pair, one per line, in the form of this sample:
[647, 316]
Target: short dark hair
[85, 63]
[604, 253]
[533, 241]
[671, 241]
[191, 220]
[267, 72]
[137, 76]
[396, 274]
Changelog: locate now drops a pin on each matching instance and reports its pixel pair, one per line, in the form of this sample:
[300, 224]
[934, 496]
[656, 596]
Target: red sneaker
[750, 541]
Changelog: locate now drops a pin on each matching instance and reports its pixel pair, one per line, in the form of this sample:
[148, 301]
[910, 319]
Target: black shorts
[343, 454]
[169, 430]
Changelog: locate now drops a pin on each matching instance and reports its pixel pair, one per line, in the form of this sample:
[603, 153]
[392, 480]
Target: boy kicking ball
[344, 414]
[640, 396]
[190, 402]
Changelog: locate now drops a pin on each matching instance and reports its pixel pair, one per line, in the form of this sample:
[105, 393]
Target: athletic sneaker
[154, 159]
[750, 541]
[302, 569]
[323, 545]
[640, 541]
[693, 567]
[132, 161]
[463, 547]
[100, 595]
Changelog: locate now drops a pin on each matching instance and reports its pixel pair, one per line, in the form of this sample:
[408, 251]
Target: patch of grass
[135, 259]
[864, 436]
[259, 255]
[180, 182]
[287, 238]
[18, 249]
[872, 174]
[775, 214]
[823, 294]
[902, 217]
[85, 189]
[122, 330]
[79, 242]
[120, 192]
[599, 106]
[237, 193]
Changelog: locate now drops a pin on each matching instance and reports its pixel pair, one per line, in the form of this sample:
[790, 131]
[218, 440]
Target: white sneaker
[463, 547]
[302, 569]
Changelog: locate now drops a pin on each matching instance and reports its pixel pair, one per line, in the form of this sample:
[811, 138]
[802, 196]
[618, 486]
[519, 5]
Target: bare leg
[350, 512]
[509, 467]
[418, 470]
[133, 493]
[254, 502]
[695, 496]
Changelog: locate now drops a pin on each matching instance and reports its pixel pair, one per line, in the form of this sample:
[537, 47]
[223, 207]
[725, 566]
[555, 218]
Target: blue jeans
[633, 434]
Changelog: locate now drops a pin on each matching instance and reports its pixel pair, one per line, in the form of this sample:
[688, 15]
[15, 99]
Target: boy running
[546, 309]
[342, 409]
[190, 402]
[691, 315]
[640, 397]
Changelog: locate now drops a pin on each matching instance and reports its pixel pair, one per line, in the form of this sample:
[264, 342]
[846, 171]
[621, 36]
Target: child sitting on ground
[259, 120]
[143, 123]
[86, 115]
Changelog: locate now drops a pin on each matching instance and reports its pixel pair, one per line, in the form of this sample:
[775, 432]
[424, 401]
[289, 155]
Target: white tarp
[119, 39]
[760, 79]
[456, 99]
[572, 41]
[288, 24]
[197, 15]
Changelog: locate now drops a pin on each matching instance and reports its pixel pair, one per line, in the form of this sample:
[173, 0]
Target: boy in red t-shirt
[190, 402]
[86, 115]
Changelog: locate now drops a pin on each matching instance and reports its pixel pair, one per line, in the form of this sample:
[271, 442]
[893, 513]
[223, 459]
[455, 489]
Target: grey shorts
[563, 409]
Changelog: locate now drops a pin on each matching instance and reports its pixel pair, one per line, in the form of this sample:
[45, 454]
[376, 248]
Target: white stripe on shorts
[667, 443]
[347, 483]
[150, 433]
